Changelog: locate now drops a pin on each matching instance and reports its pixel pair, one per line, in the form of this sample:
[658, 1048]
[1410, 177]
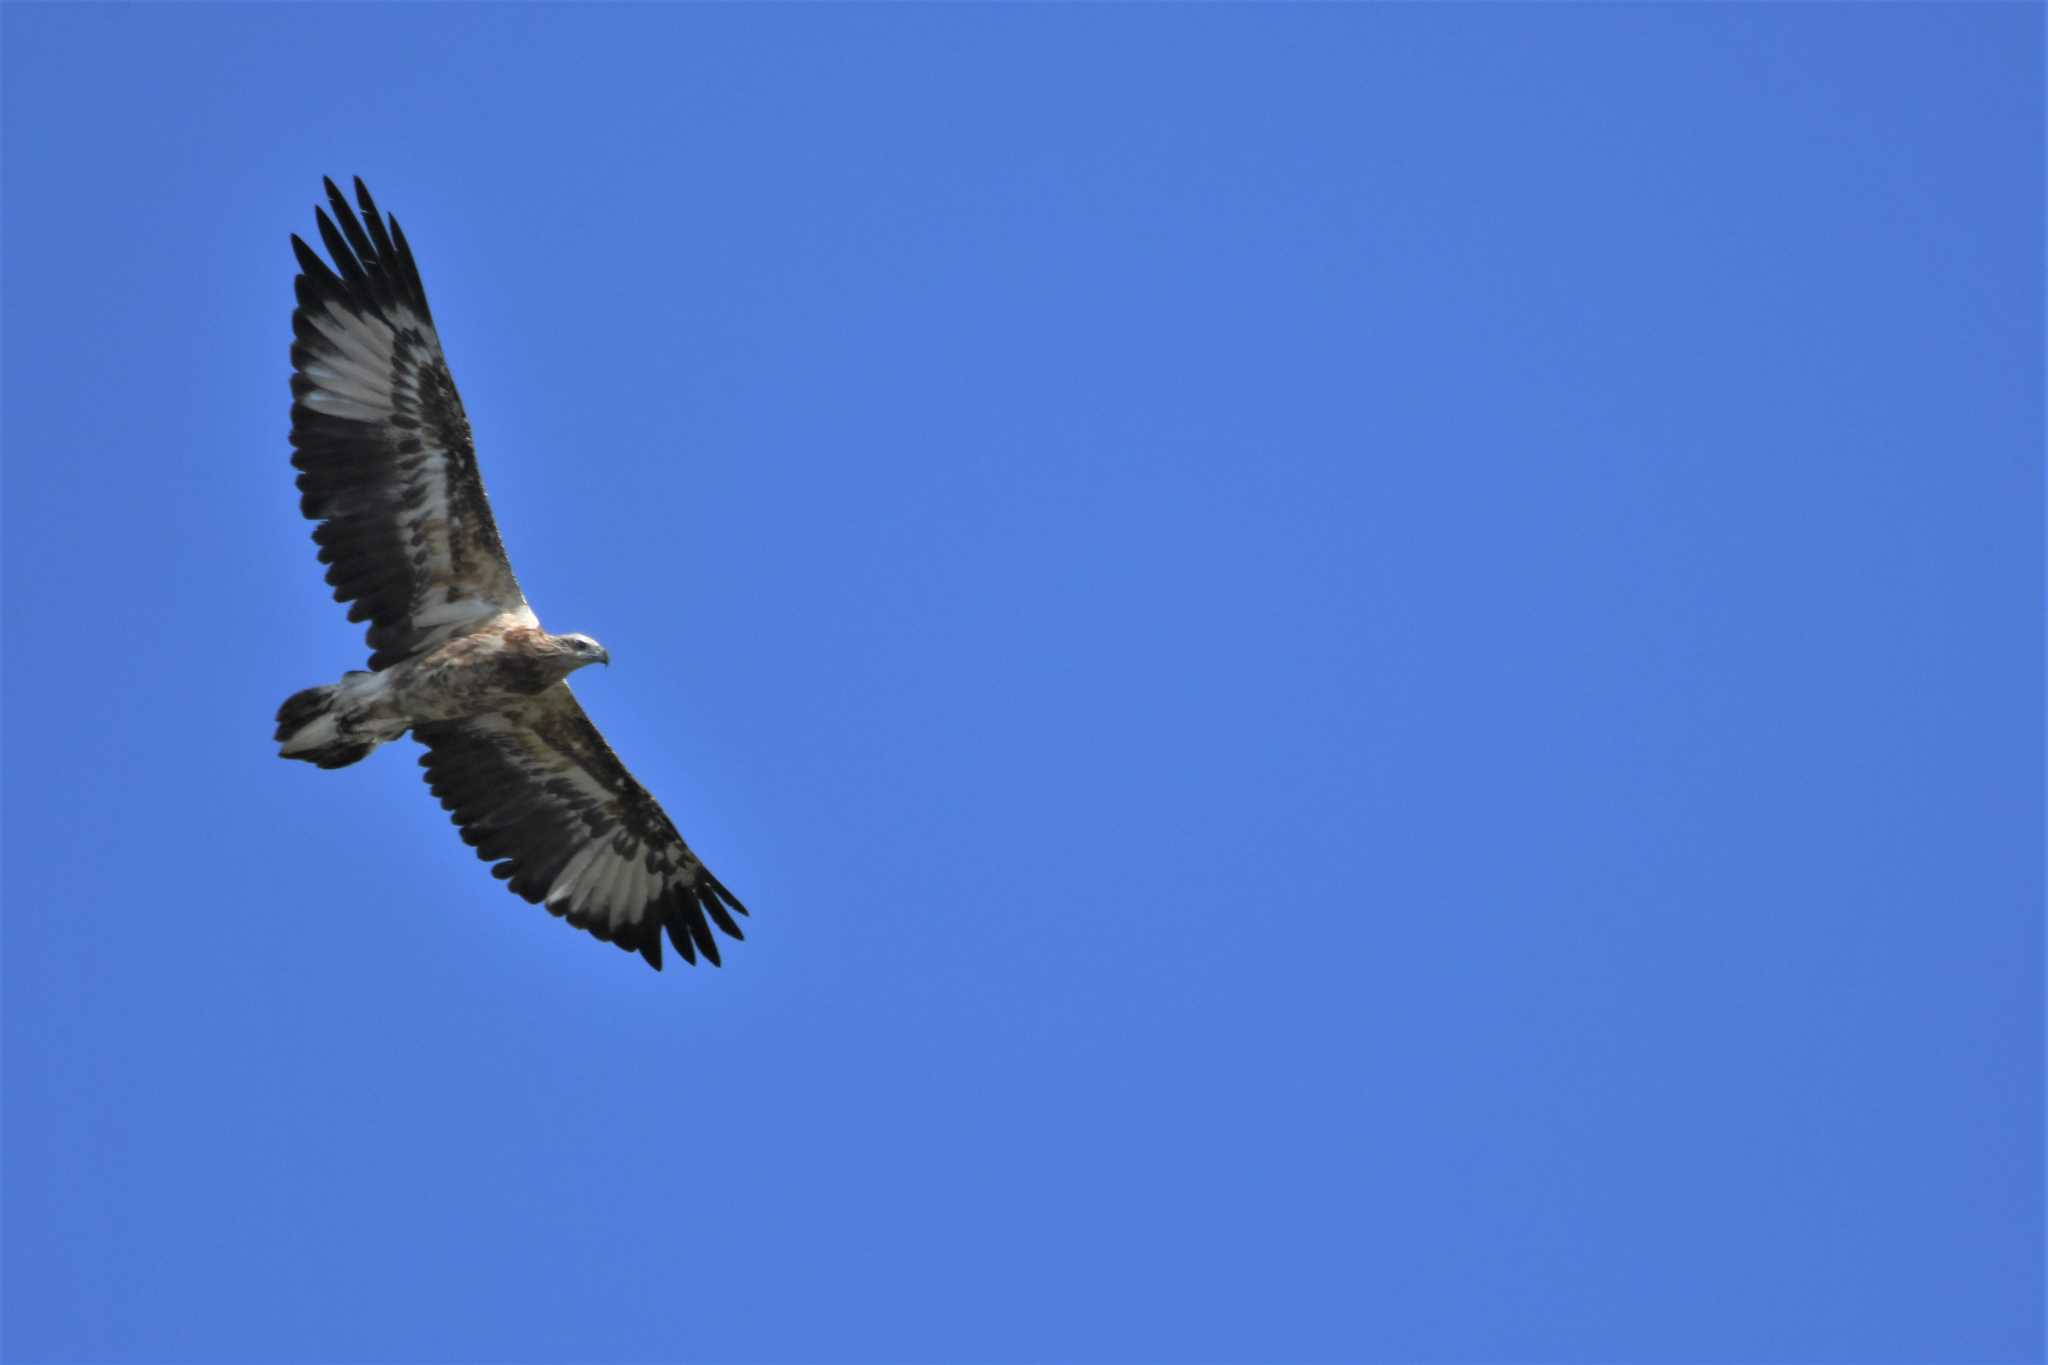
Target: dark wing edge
[383, 446]
[539, 793]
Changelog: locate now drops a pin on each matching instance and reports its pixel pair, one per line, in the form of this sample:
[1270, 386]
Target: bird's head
[579, 650]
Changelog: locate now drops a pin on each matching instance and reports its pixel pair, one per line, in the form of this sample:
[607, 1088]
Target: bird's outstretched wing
[383, 446]
[537, 791]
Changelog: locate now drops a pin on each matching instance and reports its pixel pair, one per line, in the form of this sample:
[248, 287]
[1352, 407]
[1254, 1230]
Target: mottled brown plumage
[457, 655]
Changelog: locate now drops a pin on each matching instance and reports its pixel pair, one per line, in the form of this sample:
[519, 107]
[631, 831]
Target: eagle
[457, 656]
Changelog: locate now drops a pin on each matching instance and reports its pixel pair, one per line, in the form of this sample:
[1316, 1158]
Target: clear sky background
[1375, 674]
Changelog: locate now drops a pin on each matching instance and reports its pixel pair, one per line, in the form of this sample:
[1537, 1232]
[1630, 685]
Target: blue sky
[1375, 674]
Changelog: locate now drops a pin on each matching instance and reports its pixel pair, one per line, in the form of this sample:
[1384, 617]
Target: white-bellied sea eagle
[457, 656]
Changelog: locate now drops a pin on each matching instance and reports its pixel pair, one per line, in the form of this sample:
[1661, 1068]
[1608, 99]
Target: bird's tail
[311, 727]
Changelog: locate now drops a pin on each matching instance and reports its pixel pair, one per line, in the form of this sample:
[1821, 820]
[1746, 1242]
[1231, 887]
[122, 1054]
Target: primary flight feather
[456, 654]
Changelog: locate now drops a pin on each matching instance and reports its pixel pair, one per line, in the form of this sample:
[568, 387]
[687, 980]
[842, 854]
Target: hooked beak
[604, 656]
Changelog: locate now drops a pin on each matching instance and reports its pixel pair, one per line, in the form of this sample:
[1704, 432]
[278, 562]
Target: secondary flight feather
[457, 655]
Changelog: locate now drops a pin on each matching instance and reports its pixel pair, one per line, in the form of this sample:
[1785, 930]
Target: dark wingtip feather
[309, 260]
[706, 944]
[408, 270]
[381, 240]
[680, 937]
[364, 250]
[707, 896]
[718, 889]
[337, 247]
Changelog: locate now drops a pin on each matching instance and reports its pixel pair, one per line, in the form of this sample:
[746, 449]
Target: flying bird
[457, 655]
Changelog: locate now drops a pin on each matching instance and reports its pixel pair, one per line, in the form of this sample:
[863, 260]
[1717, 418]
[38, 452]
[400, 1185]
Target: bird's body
[498, 665]
[458, 656]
